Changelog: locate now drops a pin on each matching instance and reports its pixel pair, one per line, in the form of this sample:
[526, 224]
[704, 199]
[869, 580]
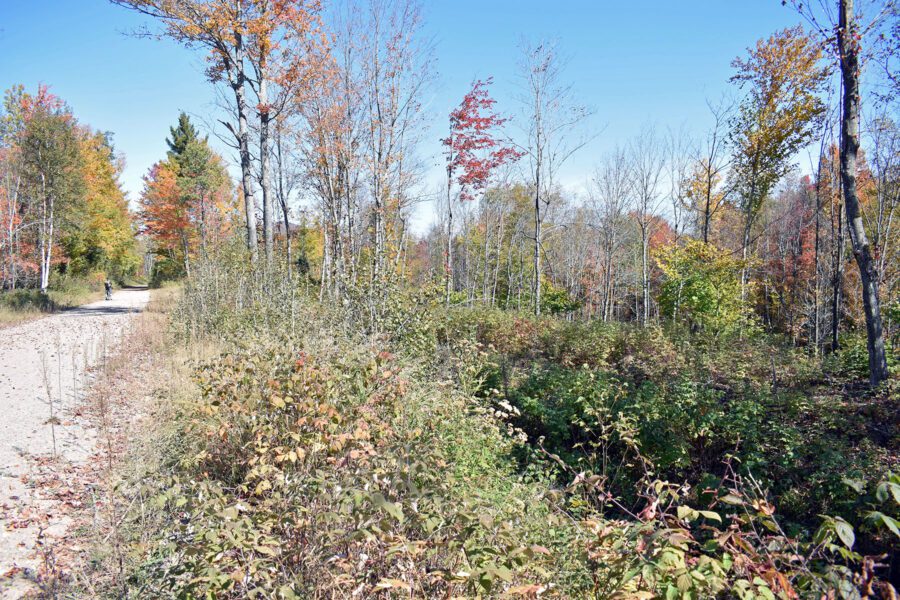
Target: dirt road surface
[45, 370]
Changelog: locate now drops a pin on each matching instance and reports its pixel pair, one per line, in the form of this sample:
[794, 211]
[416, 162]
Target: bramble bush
[314, 480]
[382, 447]
[318, 466]
[585, 391]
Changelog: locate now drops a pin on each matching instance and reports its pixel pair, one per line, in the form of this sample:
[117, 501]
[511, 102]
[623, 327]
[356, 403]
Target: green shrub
[64, 292]
[26, 300]
[853, 356]
[556, 300]
[703, 287]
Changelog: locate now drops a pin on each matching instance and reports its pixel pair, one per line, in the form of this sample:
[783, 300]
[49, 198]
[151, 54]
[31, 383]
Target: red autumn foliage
[43, 100]
[164, 215]
[474, 149]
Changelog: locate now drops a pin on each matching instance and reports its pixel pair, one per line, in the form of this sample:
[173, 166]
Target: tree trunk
[487, 258]
[283, 199]
[46, 230]
[47, 248]
[12, 198]
[536, 286]
[497, 262]
[748, 229]
[326, 266]
[645, 274]
[849, 58]
[817, 334]
[707, 208]
[745, 242]
[351, 241]
[285, 216]
[238, 83]
[837, 282]
[448, 261]
[267, 205]
[202, 226]
[186, 252]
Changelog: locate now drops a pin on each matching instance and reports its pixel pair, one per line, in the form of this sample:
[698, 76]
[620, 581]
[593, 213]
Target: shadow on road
[109, 307]
[94, 311]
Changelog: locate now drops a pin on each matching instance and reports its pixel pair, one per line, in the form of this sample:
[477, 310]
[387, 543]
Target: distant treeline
[62, 208]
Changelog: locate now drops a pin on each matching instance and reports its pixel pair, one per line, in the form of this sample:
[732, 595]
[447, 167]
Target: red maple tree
[474, 150]
[474, 153]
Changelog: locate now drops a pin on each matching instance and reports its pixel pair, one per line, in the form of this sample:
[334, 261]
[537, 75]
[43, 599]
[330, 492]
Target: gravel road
[44, 371]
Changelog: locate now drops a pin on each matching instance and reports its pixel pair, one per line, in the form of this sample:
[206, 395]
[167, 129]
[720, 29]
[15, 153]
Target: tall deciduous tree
[11, 124]
[883, 207]
[847, 36]
[61, 203]
[609, 196]
[395, 70]
[706, 192]
[474, 153]
[222, 27]
[849, 49]
[783, 76]
[552, 136]
[163, 215]
[101, 232]
[647, 164]
[285, 37]
[52, 166]
[360, 130]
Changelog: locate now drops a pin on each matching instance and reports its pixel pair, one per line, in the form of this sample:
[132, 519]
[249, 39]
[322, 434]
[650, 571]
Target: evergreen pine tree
[181, 137]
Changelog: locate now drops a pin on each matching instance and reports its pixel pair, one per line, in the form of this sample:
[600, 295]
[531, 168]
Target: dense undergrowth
[378, 448]
[804, 429]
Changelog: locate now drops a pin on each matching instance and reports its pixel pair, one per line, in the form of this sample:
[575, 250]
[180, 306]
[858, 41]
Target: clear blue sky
[633, 62]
